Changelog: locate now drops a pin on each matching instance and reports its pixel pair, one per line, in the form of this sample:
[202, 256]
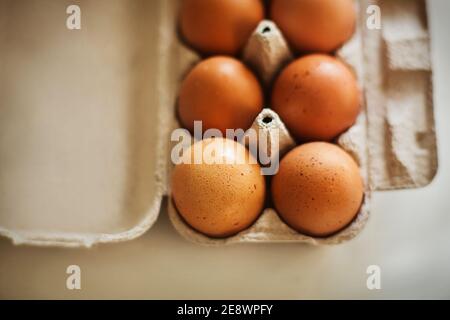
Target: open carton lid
[82, 148]
[86, 115]
[399, 96]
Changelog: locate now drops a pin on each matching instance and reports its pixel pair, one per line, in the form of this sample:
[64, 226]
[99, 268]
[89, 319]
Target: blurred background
[408, 236]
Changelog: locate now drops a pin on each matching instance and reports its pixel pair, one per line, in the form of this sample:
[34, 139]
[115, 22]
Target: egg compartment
[267, 52]
[269, 227]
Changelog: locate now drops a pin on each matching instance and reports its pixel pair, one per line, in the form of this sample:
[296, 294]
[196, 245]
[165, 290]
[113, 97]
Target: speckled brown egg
[222, 195]
[318, 189]
[219, 26]
[222, 93]
[317, 97]
[315, 25]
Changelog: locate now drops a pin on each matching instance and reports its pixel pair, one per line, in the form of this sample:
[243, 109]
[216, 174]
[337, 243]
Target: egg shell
[318, 189]
[222, 93]
[219, 26]
[223, 195]
[317, 97]
[315, 25]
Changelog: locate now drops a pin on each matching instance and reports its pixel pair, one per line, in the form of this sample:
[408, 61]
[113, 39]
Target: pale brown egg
[318, 189]
[317, 97]
[222, 93]
[219, 26]
[314, 25]
[223, 195]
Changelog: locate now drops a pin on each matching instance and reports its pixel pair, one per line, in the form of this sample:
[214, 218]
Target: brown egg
[223, 195]
[219, 26]
[314, 25]
[317, 97]
[318, 189]
[222, 93]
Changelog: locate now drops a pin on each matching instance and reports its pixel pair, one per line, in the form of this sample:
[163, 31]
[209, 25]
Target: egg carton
[93, 161]
[269, 227]
[267, 52]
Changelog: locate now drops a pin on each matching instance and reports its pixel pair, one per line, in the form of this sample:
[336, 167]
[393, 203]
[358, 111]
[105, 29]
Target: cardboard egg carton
[93, 162]
[269, 227]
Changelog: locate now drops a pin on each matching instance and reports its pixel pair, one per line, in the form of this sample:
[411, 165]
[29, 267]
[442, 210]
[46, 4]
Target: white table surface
[408, 236]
